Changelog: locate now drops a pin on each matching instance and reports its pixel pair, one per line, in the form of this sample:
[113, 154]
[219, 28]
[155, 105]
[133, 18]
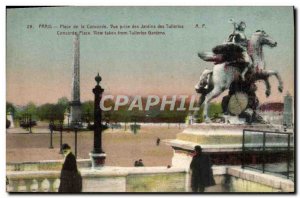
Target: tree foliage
[10, 108]
[87, 109]
[154, 114]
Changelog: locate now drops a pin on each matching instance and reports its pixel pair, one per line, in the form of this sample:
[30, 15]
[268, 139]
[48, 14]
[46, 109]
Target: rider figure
[239, 38]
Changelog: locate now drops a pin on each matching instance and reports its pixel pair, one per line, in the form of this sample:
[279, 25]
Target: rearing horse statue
[213, 82]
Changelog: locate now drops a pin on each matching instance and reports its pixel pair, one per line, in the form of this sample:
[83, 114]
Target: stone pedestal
[235, 120]
[75, 114]
[97, 159]
[223, 142]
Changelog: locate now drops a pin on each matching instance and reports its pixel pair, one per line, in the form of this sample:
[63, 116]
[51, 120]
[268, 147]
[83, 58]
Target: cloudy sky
[39, 62]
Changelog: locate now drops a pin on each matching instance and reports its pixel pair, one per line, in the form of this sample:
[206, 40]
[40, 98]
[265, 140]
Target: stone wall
[243, 180]
[156, 183]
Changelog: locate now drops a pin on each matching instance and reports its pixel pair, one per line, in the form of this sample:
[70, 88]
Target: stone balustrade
[149, 179]
[106, 179]
[33, 181]
[44, 165]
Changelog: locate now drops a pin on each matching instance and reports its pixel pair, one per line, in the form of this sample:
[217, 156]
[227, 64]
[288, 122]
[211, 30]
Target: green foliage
[200, 115]
[87, 109]
[56, 111]
[48, 111]
[45, 110]
[51, 111]
[63, 101]
[10, 108]
[30, 108]
[215, 109]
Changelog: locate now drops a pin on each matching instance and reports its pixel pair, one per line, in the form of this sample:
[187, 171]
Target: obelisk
[75, 95]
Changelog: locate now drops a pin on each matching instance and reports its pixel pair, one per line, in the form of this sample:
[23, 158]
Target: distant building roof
[272, 106]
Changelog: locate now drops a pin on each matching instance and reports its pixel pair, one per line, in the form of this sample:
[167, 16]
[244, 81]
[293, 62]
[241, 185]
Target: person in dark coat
[202, 175]
[140, 163]
[157, 141]
[136, 163]
[70, 178]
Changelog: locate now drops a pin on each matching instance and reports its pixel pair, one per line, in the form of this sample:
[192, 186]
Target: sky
[39, 62]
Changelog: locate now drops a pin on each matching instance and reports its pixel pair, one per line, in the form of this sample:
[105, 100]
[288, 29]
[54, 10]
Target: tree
[88, 110]
[10, 107]
[31, 108]
[45, 111]
[63, 101]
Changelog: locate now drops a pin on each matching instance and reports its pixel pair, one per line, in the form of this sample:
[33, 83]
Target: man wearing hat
[202, 175]
[70, 178]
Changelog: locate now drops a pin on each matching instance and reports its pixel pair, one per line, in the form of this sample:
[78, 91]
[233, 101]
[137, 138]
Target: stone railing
[243, 180]
[42, 176]
[106, 179]
[149, 179]
[45, 165]
[33, 181]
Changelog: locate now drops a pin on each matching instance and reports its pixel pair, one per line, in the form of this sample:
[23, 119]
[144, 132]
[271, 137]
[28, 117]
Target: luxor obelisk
[75, 105]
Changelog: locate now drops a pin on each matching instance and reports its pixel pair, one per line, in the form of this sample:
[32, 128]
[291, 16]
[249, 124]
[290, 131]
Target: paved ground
[122, 147]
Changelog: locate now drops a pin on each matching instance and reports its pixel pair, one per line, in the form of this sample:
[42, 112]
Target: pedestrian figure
[140, 162]
[157, 141]
[70, 178]
[202, 175]
[136, 163]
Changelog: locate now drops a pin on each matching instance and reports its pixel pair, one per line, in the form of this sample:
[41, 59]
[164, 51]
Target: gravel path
[122, 147]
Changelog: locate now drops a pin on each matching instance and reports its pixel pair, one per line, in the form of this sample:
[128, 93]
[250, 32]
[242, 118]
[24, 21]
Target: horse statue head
[259, 39]
[263, 38]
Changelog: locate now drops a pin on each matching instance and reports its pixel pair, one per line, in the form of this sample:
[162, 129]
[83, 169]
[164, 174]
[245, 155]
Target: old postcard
[150, 99]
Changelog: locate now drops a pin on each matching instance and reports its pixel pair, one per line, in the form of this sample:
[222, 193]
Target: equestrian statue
[238, 64]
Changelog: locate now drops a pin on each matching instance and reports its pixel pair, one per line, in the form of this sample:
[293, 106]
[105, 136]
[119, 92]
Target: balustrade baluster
[27, 184]
[34, 187]
[56, 185]
[45, 185]
[21, 186]
[12, 186]
[51, 184]
[40, 180]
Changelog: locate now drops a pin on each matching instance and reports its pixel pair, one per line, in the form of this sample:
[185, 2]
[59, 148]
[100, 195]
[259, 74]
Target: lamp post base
[98, 159]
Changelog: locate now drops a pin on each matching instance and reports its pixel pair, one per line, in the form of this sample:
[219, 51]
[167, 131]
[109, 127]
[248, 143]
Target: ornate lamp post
[97, 155]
